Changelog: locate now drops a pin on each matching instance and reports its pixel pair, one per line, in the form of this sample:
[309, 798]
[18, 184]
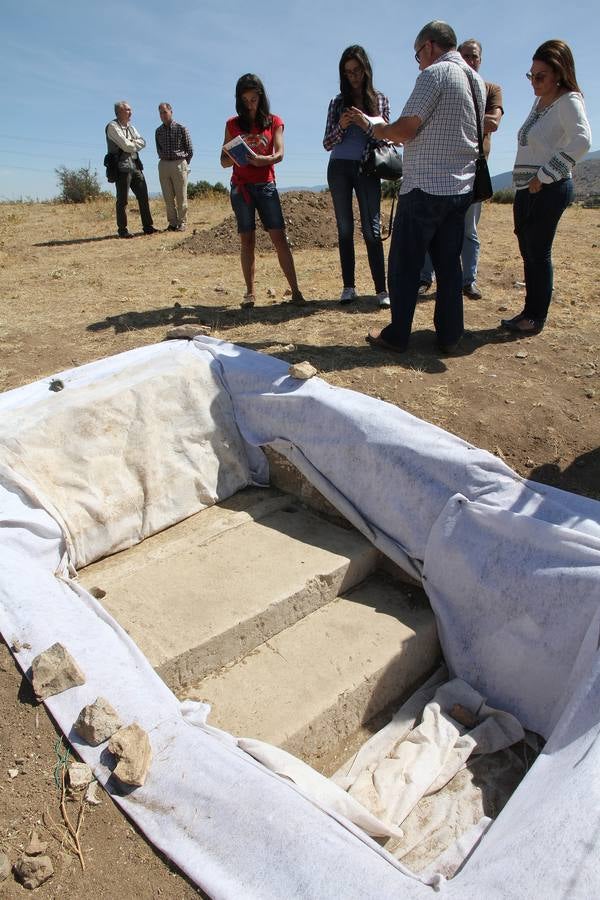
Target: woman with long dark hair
[346, 136]
[555, 135]
[253, 187]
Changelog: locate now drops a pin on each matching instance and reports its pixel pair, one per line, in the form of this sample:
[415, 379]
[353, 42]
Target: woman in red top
[253, 185]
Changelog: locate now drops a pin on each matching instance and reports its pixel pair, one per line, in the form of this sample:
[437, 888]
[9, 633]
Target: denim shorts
[263, 198]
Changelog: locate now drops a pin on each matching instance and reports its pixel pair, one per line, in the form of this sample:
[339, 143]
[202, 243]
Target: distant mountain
[586, 177]
[316, 188]
[502, 181]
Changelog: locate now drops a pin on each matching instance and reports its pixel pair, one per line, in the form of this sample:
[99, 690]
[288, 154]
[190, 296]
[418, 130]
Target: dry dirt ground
[70, 292]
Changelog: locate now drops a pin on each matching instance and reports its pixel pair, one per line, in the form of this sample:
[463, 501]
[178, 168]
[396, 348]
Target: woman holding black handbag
[347, 137]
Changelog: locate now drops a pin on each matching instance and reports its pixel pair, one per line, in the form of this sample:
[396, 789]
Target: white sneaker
[384, 299]
[348, 295]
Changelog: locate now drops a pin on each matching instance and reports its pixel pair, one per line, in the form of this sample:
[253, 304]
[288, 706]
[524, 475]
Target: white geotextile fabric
[233, 827]
[443, 826]
[316, 786]
[390, 780]
[430, 755]
[120, 454]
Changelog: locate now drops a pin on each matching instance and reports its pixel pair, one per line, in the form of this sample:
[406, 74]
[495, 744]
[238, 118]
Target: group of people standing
[436, 222]
[175, 151]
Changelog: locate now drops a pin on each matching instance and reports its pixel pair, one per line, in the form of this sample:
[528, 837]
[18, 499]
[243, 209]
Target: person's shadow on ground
[582, 476]
[72, 241]
[422, 353]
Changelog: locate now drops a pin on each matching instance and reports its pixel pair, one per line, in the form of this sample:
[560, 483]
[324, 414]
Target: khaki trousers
[173, 175]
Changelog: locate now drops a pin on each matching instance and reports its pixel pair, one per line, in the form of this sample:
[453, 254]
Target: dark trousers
[536, 217]
[344, 177]
[135, 180]
[435, 223]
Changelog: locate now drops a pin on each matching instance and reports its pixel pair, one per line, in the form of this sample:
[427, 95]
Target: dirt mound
[308, 217]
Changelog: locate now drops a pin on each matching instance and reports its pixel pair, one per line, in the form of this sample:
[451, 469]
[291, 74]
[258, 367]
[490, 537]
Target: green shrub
[204, 189]
[505, 196]
[77, 185]
[592, 202]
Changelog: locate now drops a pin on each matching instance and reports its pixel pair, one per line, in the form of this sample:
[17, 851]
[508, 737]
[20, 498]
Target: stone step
[212, 588]
[311, 686]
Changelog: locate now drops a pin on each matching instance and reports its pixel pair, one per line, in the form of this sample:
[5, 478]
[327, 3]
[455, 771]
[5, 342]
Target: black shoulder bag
[482, 185]
[384, 161]
[111, 163]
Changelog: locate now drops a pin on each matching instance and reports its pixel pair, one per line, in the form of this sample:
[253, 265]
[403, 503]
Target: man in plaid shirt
[438, 128]
[174, 148]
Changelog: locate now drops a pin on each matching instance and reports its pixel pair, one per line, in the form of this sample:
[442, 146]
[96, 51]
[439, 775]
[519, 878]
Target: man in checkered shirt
[438, 128]
[175, 151]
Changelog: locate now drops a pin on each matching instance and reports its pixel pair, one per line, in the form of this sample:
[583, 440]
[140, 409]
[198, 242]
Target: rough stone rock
[32, 871]
[91, 796]
[4, 866]
[79, 775]
[271, 292]
[54, 671]
[97, 722]
[35, 847]
[131, 746]
[302, 370]
[186, 332]
[12, 773]
[98, 593]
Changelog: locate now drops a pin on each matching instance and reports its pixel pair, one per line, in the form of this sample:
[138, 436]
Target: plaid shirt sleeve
[334, 133]
[424, 97]
[187, 143]
[383, 106]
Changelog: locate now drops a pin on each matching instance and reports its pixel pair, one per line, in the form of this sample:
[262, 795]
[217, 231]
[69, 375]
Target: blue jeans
[470, 249]
[343, 177]
[536, 217]
[427, 221]
[262, 198]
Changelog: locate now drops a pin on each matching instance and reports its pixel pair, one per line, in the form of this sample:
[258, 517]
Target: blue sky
[66, 62]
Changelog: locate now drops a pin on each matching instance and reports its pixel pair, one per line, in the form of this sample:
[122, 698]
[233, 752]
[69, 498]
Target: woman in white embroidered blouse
[555, 135]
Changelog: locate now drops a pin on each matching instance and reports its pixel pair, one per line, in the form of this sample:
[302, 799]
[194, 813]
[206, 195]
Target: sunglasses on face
[536, 76]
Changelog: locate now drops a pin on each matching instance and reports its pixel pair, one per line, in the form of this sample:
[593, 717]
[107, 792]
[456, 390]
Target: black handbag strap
[477, 116]
[390, 226]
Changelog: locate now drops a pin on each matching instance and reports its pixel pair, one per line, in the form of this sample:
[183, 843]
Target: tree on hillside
[77, 185]
[506, 195]
[204, 189]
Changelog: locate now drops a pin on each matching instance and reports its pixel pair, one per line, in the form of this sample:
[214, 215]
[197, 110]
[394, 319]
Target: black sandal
[524, 325]
[518, 318]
